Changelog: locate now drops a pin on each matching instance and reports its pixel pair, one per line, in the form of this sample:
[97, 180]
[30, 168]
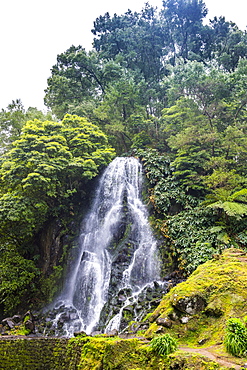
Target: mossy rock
[219, 288]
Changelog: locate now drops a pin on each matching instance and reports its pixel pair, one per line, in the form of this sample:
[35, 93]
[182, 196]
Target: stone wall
[35, 354]
[92, 354]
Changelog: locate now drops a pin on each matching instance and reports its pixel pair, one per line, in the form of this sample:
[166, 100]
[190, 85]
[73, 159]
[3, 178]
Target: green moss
[222, 283]
[92, 354]
[181, 360]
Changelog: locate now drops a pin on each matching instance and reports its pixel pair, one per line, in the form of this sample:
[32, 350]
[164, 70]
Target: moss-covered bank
[92, 354]
[196, 310]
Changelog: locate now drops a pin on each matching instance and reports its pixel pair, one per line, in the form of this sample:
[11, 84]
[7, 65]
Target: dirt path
[217, 358]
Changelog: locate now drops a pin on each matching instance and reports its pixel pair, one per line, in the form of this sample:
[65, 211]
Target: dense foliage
[43, 175]
[163, 86]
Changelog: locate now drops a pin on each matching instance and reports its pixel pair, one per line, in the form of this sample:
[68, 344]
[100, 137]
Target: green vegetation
[197, 309]
[163, 345]
[163, 86]
[236, 337]
[43, 176]
[171, 90]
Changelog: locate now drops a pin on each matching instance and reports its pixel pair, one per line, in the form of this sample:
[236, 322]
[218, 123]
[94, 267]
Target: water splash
[117, 249]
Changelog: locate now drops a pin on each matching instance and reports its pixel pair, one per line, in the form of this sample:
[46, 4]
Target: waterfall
[117, 251]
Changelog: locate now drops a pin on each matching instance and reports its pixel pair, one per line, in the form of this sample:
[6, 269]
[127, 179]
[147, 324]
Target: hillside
[196, 310]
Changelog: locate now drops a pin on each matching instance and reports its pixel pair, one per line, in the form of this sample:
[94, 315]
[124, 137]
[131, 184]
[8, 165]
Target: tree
[121, 114]
[136, 40]
[228, 43]
[47, 166]
[191, 141]
[182, 21]
[78, 78]
[18, 278]
[206, 122]
[12, 120]
[208, 88]
[43, 178]
[232, 204]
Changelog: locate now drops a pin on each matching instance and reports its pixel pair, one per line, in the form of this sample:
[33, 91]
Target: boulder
[202, 341]
[184, 319]
[190, 305]
[215, 308]
[8, 322]
[28, 321]
[64, 318]
[164, 322]
[214, 311]
[160, 330]
[172, 315]
[215, 292]
[95, 333]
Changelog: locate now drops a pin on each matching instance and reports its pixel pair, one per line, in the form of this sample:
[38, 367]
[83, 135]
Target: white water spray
[87, 286]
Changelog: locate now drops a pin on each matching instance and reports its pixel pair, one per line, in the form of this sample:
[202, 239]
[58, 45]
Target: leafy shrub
[164, 344]
[236, 338]
[17, 279]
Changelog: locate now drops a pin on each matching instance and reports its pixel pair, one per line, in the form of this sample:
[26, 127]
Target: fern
[234, 205]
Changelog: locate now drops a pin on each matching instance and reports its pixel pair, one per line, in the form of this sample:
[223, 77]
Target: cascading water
[117, 252]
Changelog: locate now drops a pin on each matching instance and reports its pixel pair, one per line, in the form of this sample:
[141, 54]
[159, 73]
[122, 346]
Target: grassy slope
[222, 284]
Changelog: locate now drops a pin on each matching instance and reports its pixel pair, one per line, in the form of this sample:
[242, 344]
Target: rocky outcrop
[24, 324]
[50, 244]
[189, 305]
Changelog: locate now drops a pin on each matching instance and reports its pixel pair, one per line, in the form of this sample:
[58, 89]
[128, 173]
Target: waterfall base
[117, 314]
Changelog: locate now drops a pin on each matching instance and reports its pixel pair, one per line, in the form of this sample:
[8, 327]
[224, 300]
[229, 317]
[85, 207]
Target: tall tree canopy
[46, 166]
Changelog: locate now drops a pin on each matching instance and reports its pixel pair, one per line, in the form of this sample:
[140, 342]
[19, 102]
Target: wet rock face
[134, 307]
[53, 322]
[116, 250]
[50, 245]
[189, 305]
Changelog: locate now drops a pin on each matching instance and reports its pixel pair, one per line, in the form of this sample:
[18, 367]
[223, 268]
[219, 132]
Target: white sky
[34, 32]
